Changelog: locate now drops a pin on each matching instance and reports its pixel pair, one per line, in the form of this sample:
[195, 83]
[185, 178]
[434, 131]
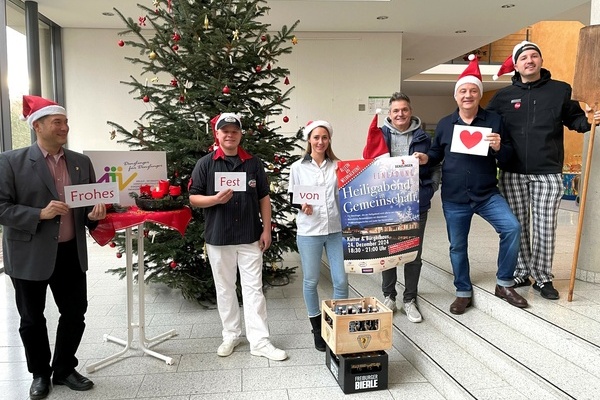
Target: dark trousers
[412, 271]
[69, 289]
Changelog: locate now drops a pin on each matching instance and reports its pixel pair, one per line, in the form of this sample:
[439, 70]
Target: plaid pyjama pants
[534, 199]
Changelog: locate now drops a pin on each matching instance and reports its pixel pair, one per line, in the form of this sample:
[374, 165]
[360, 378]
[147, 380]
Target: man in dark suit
[44, 243]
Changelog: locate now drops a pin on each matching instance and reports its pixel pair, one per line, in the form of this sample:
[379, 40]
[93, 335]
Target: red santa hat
[35, 107]
[471, 74]
[376, 146]
[507, 67]
[311, 125]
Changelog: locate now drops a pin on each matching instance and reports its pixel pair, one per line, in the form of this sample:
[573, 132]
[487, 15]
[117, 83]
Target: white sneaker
[412, 312]
[271, 352]
[389, 303]
[226, 348]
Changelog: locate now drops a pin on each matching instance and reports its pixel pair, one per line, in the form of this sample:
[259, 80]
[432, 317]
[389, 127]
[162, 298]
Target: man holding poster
[470, 186]
[402, 135]
[45, 243]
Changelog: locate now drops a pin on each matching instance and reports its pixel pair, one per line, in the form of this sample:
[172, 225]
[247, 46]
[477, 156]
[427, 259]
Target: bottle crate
[356, 325]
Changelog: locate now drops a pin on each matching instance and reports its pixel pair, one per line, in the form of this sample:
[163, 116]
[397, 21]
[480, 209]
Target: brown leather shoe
[460, 305]
[511, 296]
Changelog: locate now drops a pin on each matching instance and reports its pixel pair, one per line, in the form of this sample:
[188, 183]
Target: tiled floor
[198, 373]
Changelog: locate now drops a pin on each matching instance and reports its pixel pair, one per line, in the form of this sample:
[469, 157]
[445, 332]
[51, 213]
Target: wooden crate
[356, 333]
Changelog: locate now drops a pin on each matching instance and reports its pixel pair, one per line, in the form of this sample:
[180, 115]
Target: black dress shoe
[460, 305]
[40, 388]
[74, 381]
[513, 298]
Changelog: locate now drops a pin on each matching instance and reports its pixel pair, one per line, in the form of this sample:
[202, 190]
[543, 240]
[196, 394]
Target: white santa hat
[507, 67]
[523, 46]
[310, 125]
[376, 146]
[227, 119]
[471, 74]
[35, 107]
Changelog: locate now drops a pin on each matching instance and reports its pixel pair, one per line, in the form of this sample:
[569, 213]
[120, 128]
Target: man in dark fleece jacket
[535, 108]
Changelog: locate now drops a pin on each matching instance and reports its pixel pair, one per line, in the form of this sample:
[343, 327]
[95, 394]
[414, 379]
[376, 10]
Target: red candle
[163, 186]
[175, 191]
[157, 193]
[145, 190]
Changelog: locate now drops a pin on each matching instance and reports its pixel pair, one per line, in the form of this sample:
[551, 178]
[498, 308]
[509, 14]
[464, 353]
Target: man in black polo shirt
[232, 188]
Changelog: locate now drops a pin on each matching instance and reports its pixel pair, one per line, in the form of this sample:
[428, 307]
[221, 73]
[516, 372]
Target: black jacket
[534, 114]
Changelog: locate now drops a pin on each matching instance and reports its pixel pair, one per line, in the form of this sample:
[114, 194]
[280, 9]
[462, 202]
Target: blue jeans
[496, 211]
[311, 250]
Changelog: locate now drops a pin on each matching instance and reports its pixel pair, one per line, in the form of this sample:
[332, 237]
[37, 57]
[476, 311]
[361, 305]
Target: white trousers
[224, 262]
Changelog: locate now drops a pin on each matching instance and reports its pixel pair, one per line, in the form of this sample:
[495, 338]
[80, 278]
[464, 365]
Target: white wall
[332, 73]
[94, 68]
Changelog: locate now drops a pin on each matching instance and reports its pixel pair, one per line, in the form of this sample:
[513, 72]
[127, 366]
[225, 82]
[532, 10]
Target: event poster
[129, 169]
[379, 207]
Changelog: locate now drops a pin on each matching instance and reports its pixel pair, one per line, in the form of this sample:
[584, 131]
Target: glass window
[17, 75]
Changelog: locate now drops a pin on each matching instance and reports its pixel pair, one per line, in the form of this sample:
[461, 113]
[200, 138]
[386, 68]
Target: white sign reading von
[92, 194]
[235, 181]
[313, 195]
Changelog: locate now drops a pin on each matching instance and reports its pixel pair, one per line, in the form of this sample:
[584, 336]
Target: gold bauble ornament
[152, 55]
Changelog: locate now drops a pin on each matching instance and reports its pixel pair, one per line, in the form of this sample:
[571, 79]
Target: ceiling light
[382, 17]
[108, 14]
[410, 59]
[508, 6]
[460, 31]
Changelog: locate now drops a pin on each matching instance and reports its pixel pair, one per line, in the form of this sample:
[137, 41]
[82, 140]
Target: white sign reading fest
[129, 169]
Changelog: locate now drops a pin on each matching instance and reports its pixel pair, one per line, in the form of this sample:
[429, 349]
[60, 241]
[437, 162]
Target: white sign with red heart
[470, 140]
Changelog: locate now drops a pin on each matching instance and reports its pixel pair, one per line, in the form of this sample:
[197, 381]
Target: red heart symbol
[470, 139]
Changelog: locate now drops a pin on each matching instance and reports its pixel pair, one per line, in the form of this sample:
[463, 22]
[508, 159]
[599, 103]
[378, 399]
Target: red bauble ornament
[182, 99]
[119, 255]
[286, 81]
[146, 232]
[174, 82]
[258, 68]
[276, 158]
[286, 119]
[282, 159]
[121, 43]
[173, 264]
[112, 244]
[276, 170]
[263, 38]
[146, 99]
[269, 66]
[176, 37]
[226, 89]
[175, 47]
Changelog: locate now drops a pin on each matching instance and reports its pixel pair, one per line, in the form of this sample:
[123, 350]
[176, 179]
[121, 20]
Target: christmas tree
[207, 57]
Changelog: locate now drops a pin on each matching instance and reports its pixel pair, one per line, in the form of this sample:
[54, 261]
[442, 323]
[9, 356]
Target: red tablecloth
[105, 231]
